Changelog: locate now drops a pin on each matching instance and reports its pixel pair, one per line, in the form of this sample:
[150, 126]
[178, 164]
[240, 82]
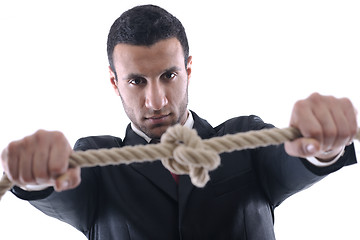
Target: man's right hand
[41, 159]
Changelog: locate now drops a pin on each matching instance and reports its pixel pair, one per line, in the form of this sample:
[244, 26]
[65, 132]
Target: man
[150, 69]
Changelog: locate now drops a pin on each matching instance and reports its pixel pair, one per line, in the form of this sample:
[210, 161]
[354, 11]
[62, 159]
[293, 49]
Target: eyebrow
[136, 75]
[172, 69]
[133, 75]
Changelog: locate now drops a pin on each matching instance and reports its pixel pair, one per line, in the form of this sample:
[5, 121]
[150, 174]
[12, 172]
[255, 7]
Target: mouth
[157, 119]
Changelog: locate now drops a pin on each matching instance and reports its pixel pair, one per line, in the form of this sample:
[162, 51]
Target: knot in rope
[190, 156]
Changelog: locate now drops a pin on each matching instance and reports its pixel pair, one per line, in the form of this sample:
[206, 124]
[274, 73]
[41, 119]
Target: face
[153, 84]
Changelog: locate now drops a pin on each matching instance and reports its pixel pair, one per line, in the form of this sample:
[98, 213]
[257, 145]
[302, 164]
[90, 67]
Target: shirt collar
[188, 123]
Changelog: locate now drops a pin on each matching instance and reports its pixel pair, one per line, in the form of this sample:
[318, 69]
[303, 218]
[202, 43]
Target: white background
[249, 57]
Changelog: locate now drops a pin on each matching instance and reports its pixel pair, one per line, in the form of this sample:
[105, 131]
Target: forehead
[163, 54]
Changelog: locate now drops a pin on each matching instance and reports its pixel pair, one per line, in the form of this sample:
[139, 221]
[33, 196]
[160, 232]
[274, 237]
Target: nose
[155, 96]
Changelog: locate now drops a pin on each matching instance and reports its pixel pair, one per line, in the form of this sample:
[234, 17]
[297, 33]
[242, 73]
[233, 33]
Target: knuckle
[39, 135]
[25, 143]
[346, 102]
[17, 146]
[11, 150]
[60, 139]
[299, 104]
[12, 147]
[315, 97]
[298, 108]
[43, 135]
[58, 136]
[40, 132]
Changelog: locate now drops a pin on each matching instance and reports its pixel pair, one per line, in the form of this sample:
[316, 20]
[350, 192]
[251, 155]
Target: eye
[137, 81]
[169, 75]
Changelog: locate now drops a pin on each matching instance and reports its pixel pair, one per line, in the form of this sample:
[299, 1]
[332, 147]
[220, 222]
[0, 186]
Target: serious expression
[152, 82]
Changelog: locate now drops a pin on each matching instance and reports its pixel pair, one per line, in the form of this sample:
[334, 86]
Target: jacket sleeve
[78, 206]
[282, 175]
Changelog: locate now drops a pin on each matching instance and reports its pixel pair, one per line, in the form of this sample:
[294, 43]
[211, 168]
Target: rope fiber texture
[181, 151]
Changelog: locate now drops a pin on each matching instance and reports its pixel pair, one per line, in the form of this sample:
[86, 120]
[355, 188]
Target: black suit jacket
[142, 201]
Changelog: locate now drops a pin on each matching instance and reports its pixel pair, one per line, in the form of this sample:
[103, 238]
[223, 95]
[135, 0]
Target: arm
[42, 159]
[328, 126]
[282, 175]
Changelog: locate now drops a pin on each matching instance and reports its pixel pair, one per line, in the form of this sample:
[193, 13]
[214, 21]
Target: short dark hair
[144, 26]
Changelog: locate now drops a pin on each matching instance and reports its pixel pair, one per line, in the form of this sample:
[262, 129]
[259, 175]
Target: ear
[113, 81]
[189, 67]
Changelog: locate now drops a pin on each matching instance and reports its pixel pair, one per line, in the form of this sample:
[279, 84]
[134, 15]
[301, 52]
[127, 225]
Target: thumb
[69, 180]
[302, 147]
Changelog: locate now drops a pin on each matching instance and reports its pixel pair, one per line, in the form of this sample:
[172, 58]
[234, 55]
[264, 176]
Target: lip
[157, 119]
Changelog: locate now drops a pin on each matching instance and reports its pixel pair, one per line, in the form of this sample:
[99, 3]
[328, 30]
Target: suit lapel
[205, 131]
[153, 171]
[159, 176]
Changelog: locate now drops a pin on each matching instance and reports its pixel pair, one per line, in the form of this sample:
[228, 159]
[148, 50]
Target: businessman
[150, 69]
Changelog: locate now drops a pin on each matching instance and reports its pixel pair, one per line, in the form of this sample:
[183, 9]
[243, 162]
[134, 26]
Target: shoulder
[97, 142]
[230, 126]
[242, 124]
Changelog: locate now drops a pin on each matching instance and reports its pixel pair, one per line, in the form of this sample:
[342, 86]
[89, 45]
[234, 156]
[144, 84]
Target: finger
[302, 147]
[71, 179]
[344, 117]
[40, 160]
[343, 129]
[26, 157]
[59, 155]
[25, 167]
[321, 108]
[304, 119]
[351, 115]
[12, 161]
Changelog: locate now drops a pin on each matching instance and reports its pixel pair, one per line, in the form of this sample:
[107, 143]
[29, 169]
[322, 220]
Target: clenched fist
[327, 123]
[41, 159]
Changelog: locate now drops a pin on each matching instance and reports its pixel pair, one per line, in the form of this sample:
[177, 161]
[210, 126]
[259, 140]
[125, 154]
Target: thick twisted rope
[181, 151]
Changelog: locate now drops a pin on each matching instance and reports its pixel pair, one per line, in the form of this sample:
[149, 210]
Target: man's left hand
[327, 125]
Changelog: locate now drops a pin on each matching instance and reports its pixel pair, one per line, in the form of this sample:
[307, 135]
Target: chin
[157, 132]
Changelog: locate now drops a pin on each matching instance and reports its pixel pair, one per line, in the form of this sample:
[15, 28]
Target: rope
[181, 151]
